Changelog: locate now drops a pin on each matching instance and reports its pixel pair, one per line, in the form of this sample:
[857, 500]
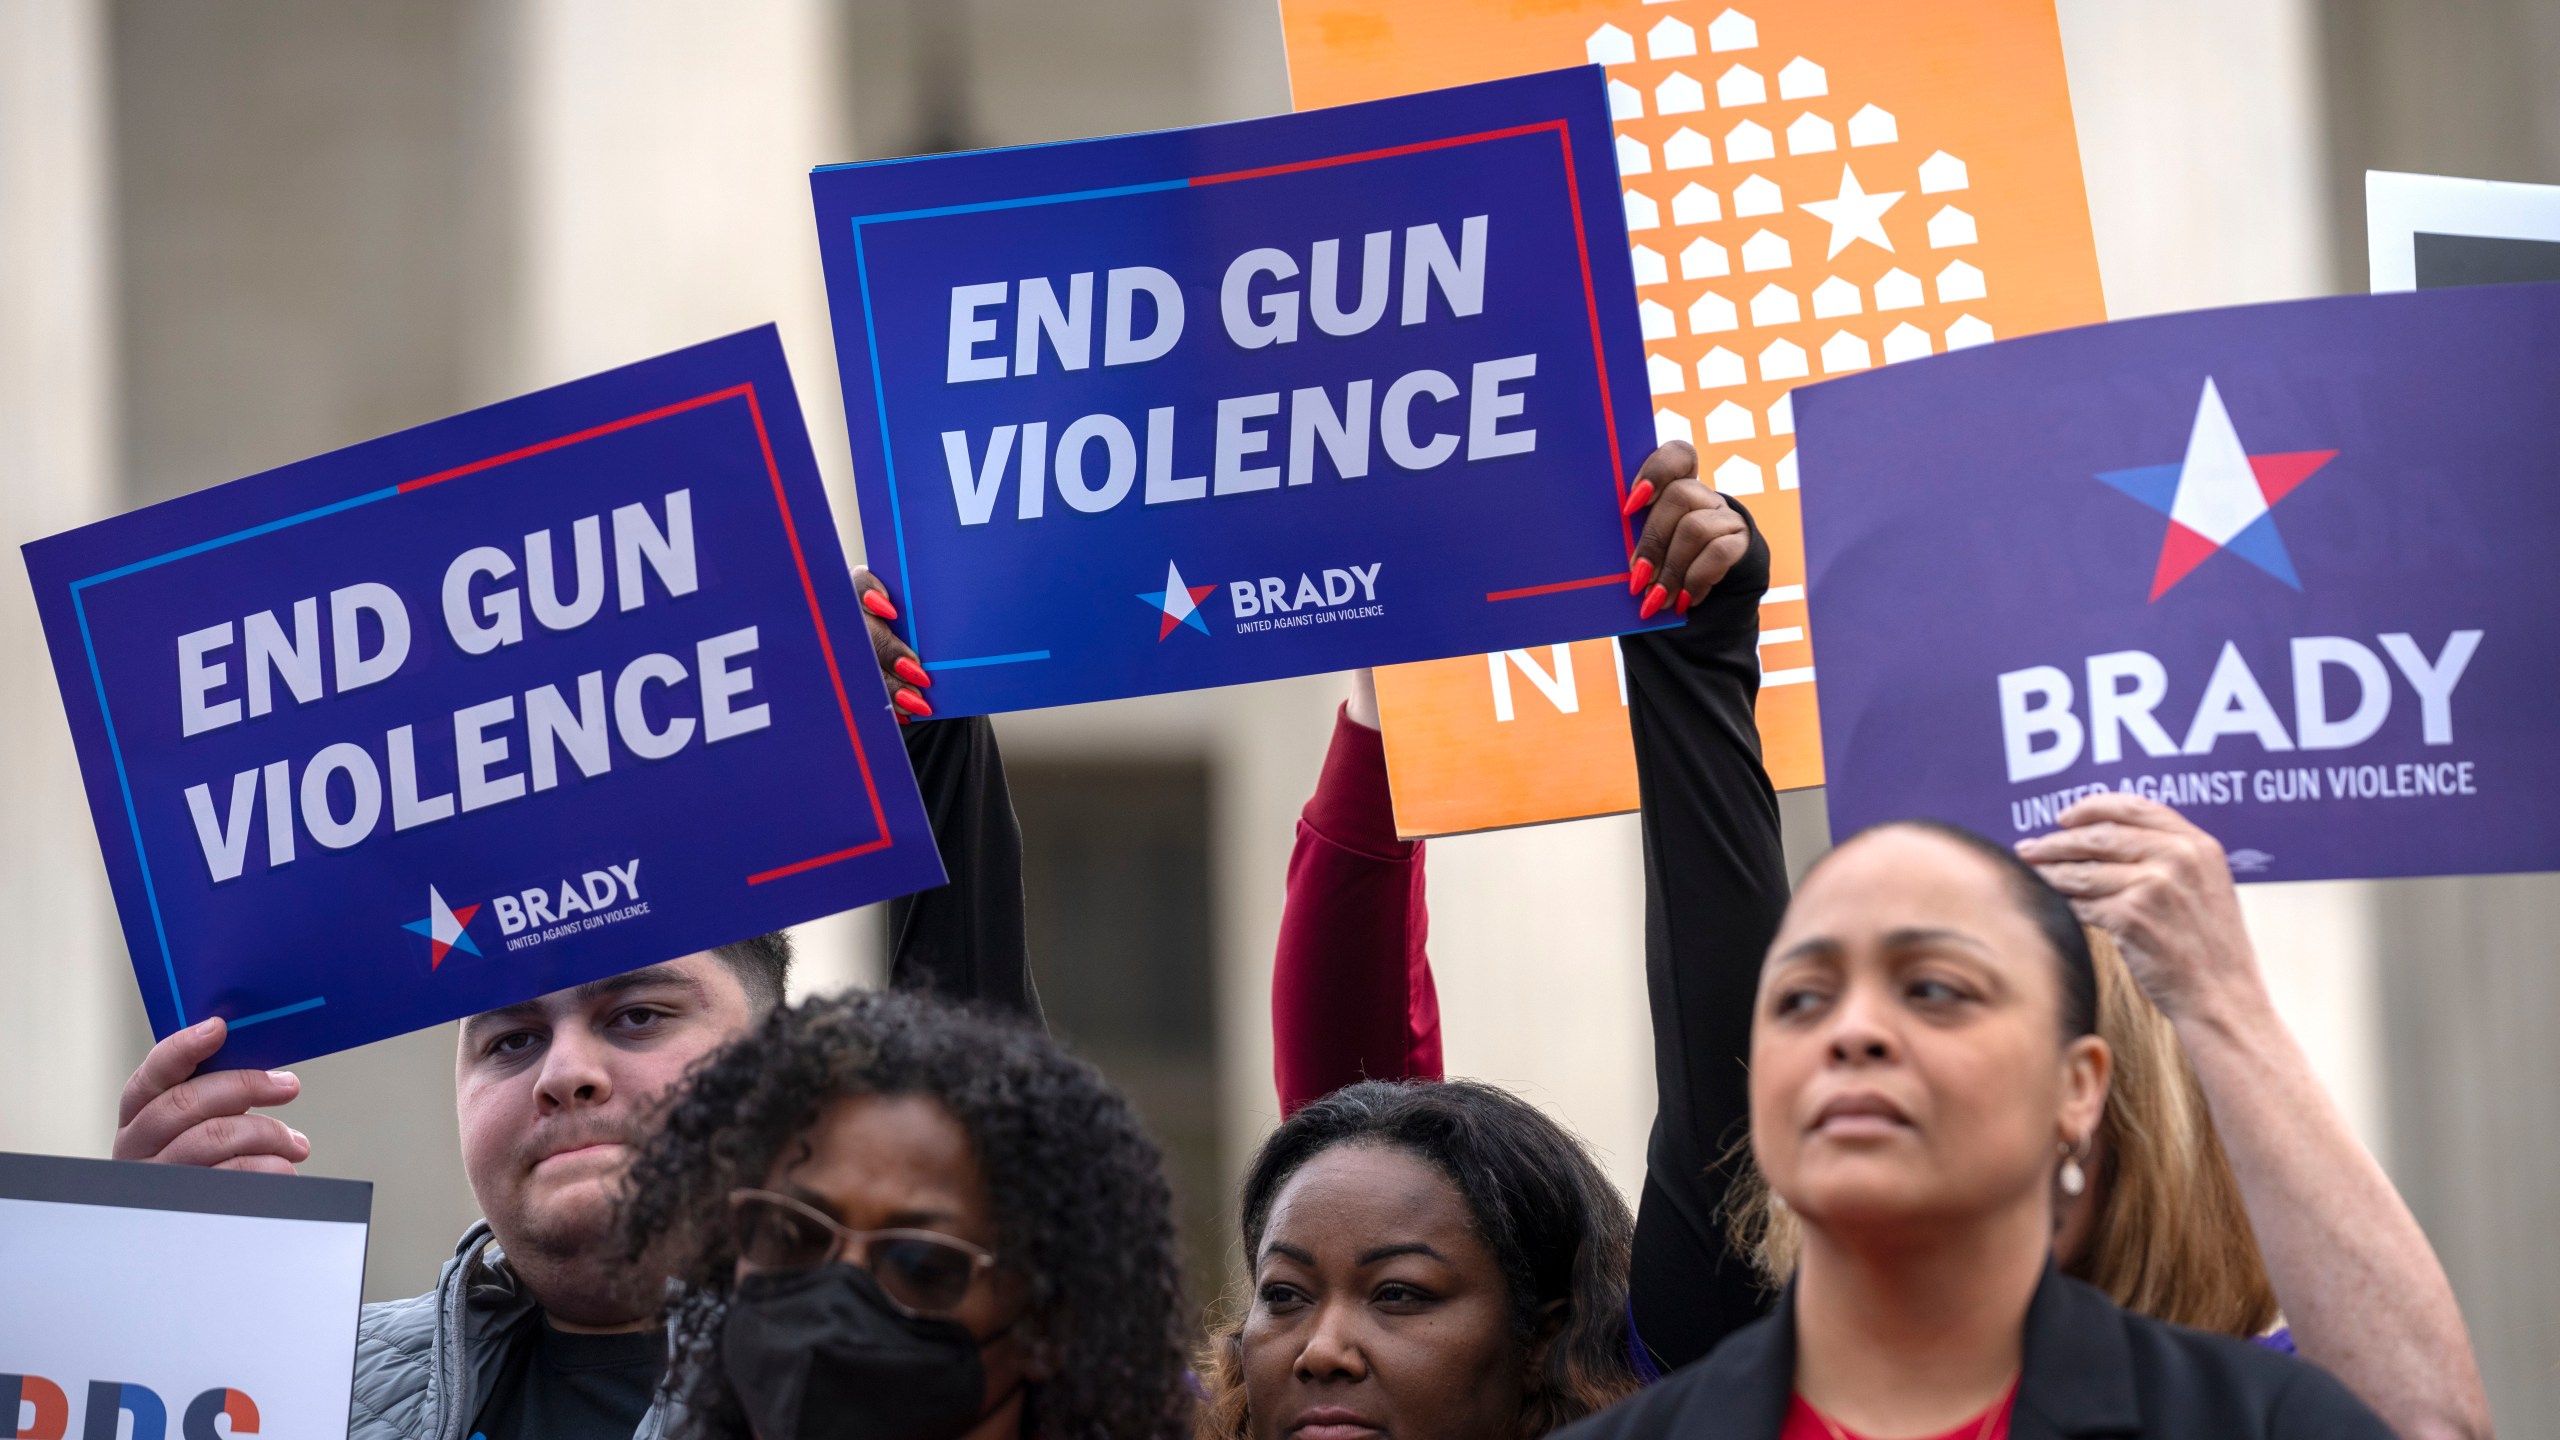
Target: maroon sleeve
[1351, 995]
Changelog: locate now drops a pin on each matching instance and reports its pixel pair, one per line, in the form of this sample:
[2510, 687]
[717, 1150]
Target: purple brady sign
[2286, 568]
[523, 698]
[1206, 406]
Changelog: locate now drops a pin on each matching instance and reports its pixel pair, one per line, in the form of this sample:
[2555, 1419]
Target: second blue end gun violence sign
[1199, 407]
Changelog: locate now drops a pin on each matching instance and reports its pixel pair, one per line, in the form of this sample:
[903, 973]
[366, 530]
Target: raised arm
[1715, 885]
[1351, 993]
[964, 940]
[2358, 1282]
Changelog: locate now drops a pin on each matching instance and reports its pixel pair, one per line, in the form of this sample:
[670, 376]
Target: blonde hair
[2169, 1237]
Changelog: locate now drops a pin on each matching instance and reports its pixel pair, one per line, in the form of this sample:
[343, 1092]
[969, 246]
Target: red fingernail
[1639, 574]
[878, 604]
[902, 719]
[1681, 605]
[913, 704]
[1638, 498]
[1653, 601]
[912, 673]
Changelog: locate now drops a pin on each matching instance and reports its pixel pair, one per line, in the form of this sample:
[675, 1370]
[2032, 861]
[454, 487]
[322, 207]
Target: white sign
[165, 1302]
[2425, 231]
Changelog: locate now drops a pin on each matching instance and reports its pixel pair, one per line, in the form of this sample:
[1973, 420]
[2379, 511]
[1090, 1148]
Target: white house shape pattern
[1678, 95]
[1720, 368]
[1765, 251]
[1695, 205]
[1610, 45]
[1711, 315]
[1950, 226]
[1775, 305]
[1835, 297]
[1732, 30]
[1802, 80]
[1873, 126]
[1810, 134]
[1940, 172]
[1687, 150]
[1671, 39]
[1703, 260]
[1897, 289]
[1905, 341]
[1741, 85]
[1844, 351]
[1758, 195]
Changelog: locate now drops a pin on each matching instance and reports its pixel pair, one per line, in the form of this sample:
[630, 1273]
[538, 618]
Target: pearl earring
[2073, 1178]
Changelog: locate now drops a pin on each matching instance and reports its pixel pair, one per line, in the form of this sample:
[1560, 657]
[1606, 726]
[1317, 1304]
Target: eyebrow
[1389, 1252]
[1909, 937]
[581, 996]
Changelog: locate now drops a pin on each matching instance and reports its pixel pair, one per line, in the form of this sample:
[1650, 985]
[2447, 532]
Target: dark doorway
[1116, 880]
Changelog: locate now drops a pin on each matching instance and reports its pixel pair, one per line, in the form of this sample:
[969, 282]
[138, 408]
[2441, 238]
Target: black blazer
[2090, 1369]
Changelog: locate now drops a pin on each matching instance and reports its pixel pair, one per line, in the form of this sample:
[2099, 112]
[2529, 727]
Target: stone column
[658, 196]
[67, 1001]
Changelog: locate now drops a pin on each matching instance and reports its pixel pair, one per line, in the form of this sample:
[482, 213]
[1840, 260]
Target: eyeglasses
[924, 1273]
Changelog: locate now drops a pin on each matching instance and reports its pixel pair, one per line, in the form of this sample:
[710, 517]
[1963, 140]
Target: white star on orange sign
[1855, 214]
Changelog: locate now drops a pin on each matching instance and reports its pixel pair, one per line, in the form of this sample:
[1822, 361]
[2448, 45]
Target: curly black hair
[1078, 1191]
[1559, 1228]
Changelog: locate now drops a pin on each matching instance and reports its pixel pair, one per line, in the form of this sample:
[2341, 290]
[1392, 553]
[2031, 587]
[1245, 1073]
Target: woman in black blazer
[1924, 1080]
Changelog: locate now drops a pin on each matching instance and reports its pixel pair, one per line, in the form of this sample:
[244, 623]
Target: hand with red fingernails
[899, 666]
[1691, 537]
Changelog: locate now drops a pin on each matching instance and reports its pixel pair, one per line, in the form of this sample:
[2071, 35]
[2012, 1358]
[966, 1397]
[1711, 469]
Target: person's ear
[2087, 1067]
[1551, 1318]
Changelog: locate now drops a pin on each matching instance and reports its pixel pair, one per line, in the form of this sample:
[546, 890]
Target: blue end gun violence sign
[2286, 568]
[520, 699]
[1206, 406]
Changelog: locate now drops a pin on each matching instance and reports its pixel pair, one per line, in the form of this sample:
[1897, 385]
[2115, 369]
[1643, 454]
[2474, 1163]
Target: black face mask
[823, 1355]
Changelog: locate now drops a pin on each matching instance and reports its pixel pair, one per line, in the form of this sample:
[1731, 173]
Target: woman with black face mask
[890, 1219]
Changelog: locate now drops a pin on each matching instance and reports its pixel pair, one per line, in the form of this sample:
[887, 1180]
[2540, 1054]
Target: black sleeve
[964, 940]
[1715, 883]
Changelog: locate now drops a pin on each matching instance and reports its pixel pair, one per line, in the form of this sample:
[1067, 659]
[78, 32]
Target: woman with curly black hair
[1431, 1261]
[893, 1219]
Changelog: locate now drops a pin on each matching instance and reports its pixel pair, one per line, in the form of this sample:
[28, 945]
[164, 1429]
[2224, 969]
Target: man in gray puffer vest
[537, 1326]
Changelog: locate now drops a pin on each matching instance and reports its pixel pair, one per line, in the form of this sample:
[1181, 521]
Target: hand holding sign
[173, 1115]
[2160, 885]
[1691, 537]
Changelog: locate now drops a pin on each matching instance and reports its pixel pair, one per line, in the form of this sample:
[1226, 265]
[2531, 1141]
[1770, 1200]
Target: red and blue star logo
[2220, 497]
[1179, 603]
[446, 929]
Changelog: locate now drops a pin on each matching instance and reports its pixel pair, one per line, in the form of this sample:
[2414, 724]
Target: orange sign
[1813, 187]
